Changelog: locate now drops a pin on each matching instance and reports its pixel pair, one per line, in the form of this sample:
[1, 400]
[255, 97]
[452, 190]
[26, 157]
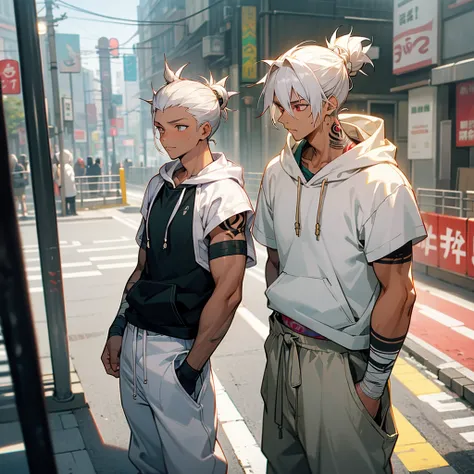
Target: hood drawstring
[317, 230]
[145, 335]
[297, 212]
[175, 210]
[134, 360]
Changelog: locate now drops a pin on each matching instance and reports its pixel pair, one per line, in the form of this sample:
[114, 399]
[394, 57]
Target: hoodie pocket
[312, 298]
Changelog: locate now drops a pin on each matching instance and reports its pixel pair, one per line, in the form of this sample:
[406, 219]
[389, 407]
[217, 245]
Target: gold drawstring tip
[165, 245]
[318, 230]
[148, 243]
[297, 229]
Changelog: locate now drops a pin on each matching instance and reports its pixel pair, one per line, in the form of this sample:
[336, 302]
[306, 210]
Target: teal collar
[297, 154]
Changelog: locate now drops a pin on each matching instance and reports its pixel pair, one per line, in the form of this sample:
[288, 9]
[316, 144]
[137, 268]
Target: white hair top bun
[350, 50]
[221, 93]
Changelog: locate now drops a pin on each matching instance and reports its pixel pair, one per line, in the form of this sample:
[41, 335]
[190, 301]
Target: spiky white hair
[206, 102]
[315, 73]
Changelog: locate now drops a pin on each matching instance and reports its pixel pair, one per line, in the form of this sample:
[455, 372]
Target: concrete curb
[453, 379]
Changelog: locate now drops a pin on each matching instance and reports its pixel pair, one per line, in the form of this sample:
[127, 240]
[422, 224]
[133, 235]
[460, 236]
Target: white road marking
[260, 328]
[35, 259]
[460, 422]
[38, 289]
[256, 275]
[107, 258]
[69, 275]
[465, 331]
[111, 241]
[469, 436]
[435, 401]
[109, 266]
[74, 244]
[107, 249]
[64, 265]
[127, 222]
[441, 318]
[445, 295]
[35, 246]
[245, 447]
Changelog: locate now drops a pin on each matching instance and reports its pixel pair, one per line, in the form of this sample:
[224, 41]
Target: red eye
[301, 107]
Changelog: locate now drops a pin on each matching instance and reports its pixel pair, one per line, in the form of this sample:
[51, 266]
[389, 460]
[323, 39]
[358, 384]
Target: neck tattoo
[337, 138]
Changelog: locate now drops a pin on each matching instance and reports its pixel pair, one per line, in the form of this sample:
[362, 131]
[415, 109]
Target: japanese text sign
[415, 35]
[470, 247]
[452, 244]
[249, 43]
[426, 252]
[10, 77]
[465, 114]
[69, 53]
[129, 68]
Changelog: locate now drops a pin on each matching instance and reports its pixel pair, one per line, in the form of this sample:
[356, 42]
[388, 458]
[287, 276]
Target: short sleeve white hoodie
[328, 231]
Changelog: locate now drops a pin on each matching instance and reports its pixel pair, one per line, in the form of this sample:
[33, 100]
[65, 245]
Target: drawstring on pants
[145, 380]
[134, 358]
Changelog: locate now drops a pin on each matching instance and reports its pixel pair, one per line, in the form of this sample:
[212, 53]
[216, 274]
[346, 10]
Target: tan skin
[184, 139]
[392, 311]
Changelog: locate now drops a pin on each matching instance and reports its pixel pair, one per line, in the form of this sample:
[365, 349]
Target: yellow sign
[249, 44]
[95, 137]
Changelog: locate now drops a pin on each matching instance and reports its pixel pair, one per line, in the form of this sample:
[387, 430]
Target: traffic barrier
[449, 245]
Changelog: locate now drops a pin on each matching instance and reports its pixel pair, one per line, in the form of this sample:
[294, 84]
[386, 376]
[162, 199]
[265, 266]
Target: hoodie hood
[373, 149]
[221, 168]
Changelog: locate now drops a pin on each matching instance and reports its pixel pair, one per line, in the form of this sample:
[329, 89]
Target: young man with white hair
[340, 279]
[195, 243]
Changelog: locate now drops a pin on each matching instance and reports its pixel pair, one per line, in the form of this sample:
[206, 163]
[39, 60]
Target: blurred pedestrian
[79, 168]
[18, 179]
[69, 184]
[95, 172]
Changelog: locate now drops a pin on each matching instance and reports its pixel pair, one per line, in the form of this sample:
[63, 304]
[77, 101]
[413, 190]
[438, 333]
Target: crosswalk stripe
[69, 275]
[441, 318]
[465, 331]
[469, 436]
[107, 249]
[111, 241]
[460, 422]
[105, 258]
[64, 265]
[109, 266]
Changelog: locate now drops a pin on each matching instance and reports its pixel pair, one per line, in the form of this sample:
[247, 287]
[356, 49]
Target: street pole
[56, 99]
[73, 138]
[86, 113]
[16, 321]
[42, 180]
[114, 158]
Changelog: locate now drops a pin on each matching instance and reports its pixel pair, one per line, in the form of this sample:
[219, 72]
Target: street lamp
[42, 27]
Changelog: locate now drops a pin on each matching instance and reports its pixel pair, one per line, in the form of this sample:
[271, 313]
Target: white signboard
[422, 123]
[415, 34]
[68, 113]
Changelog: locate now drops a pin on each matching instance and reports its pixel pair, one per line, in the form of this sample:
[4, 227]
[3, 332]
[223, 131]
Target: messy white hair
[206, 102]
[315, 73]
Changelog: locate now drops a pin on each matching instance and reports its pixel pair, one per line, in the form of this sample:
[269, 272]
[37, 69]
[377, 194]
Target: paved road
[436, 429]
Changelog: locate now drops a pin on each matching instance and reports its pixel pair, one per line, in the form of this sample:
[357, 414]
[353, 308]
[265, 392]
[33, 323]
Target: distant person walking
[95, 172]
[19, 185]
[69, 184]
[79, 168]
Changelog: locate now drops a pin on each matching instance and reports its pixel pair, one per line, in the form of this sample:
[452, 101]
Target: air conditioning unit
[228, 11]
[212, 46]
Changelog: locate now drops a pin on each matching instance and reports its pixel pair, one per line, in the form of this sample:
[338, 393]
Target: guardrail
[91, 191]
[446, 201]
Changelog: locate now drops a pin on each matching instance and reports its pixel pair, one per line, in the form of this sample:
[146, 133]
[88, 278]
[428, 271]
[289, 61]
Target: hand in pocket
[371, 405]
[187, 377]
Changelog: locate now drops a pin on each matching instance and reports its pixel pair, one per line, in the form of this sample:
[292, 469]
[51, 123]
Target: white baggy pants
[171, 432]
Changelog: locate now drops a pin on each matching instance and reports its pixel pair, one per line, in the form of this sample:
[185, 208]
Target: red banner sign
[117, 122]
[426, 252]
[113, 132]
[470, 247]
[10, 77]
[452, 244]
[80, 135]
[465, 114]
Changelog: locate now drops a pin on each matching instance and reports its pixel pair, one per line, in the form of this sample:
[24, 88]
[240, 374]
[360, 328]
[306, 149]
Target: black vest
[174, 289]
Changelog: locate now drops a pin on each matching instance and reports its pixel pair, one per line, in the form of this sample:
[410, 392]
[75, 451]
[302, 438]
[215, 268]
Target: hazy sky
[91, 28]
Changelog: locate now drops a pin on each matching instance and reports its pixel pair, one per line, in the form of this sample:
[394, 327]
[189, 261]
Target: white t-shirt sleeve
[395, 221]
[263, 229]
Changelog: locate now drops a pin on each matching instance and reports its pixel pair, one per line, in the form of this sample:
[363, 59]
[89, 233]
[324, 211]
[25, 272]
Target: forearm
[214, 323]
[390, 322]
[271, 272]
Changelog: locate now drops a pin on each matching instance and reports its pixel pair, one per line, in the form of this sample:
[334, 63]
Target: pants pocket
[386, 431]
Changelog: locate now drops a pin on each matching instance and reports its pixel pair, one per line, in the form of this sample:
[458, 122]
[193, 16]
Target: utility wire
[139, 22]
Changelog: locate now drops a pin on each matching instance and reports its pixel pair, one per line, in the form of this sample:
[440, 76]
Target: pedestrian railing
[446, 201]
[93, 191]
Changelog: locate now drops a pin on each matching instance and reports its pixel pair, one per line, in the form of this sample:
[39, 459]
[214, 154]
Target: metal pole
[85, 113]
[17, 321]
[42, 180]
[56, 100]
[73, 137]
[126, 105]
[114, 160]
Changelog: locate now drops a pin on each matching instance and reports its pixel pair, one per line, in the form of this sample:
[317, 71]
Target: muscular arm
[228, 273]
[272, 267]
[118, 325]
[390, 317]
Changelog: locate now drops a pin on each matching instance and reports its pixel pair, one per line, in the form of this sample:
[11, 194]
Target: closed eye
[181, 128]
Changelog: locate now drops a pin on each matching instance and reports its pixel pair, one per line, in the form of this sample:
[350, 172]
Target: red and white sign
[452, 244]
[459, 3]
[465, 114]
[129, 142]
[10, 76]
[113, 132]
[470, 247]
[116, 122]
[426, 252]
[80, 135]
[415, 35]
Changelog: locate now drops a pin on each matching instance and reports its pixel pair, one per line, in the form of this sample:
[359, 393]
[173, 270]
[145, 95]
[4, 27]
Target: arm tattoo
[399, 256]
[234, 225]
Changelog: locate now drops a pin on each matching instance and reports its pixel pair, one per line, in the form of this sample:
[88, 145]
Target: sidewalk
[68, 444]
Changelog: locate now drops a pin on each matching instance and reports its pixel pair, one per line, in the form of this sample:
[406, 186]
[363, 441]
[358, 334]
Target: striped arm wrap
[382, 356]
[118, 326]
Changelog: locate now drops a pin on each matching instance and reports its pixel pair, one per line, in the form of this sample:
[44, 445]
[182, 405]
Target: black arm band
[188, 372]
[226, 248]
[118, 327]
